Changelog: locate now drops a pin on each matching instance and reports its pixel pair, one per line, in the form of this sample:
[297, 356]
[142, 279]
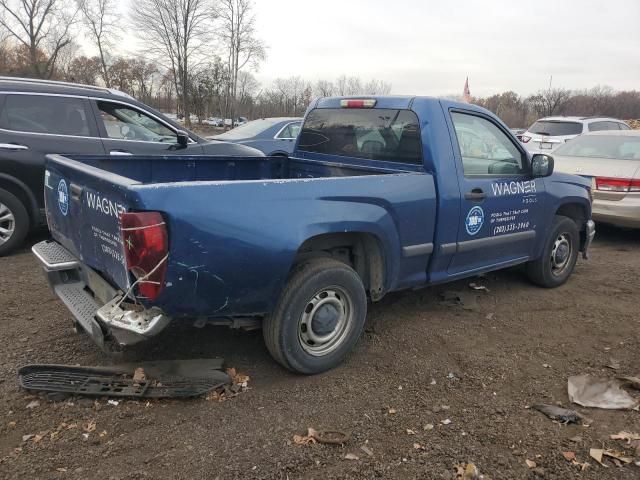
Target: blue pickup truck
[381, 194]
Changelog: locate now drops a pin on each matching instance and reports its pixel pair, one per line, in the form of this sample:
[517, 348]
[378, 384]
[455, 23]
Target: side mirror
[183, 138]
[542, 165]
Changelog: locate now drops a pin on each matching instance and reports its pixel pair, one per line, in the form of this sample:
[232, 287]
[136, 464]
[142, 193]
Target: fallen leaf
[38, 437]
[417, 446]
[33, 404]
[569, 456]
[628, 436]
[90, 426]
[596, 454]
[392, 411]
[366, 450]
[103, 433]
[61, 469]
[139, 375]
[446, 421]
[410, 432]
[617, 455]
[471, 472]
[530, 463]
[304, 440]
[27, 437]
[428, 426]
[11, 424]
[351, 456]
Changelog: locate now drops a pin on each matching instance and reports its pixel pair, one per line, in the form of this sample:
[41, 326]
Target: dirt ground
[428, 362]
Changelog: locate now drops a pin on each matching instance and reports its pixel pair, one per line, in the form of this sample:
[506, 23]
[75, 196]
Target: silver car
[549, 133]
[612, 160]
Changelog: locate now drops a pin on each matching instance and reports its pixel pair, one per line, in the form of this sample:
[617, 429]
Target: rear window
[602, 146]
[376, 134]
[45, 114]
[554, 128]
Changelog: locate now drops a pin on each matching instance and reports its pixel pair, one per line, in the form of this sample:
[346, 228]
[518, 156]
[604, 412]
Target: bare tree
[99, 17]
[242, 46]
[175, 30]
[324, 88]
[42, 26]
[549, 102]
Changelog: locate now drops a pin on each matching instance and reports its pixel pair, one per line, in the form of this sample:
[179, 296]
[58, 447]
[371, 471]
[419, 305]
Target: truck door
[501, 203]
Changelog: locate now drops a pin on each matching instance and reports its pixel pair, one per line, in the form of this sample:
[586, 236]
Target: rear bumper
[95, 305]
[590, 233]
[622, 213]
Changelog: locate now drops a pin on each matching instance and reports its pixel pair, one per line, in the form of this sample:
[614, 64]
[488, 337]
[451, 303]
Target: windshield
[601, 146]
[556, 128]
[248, 130]
[377, 134]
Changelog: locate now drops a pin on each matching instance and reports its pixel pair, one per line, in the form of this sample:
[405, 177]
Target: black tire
[556, 264]
[18, 222]
[288, 331]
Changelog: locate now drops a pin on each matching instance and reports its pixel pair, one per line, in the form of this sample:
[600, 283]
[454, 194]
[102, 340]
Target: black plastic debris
[563, 415]
[165, 379]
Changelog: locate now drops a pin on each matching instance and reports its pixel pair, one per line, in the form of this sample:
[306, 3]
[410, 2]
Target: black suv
[39, 117]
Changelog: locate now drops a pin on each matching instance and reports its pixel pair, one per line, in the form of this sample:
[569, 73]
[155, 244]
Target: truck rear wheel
[319, 317]
[559, 255]
[14, 222]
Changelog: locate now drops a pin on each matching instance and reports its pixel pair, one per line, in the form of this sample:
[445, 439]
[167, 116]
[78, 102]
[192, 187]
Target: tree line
[199, 55]
[518, 111]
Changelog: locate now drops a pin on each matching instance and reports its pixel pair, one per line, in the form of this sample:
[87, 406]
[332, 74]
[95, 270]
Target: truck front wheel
[559, 255]
[319, 317]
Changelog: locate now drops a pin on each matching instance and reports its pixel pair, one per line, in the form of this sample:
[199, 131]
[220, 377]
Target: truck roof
[391, 101]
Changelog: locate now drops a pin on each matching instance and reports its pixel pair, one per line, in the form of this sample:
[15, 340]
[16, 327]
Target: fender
[33, 208]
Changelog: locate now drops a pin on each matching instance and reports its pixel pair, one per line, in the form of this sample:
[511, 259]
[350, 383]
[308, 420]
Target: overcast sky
[428, 47]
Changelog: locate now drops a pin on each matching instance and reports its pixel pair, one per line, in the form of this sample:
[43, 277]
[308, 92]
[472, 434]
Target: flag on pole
[466, 94]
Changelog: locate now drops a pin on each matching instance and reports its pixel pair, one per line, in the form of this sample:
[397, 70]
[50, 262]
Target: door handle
[14, 147]
[76, 191]
[121, 153]
[475, 195]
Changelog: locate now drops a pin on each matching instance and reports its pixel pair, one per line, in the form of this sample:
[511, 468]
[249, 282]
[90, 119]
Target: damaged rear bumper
[95, 304]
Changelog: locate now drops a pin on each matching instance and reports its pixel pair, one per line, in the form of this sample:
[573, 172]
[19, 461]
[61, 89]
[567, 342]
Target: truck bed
[235, 225]
[169, 169]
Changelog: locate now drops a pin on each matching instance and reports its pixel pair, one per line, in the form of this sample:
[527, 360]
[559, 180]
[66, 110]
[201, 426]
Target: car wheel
[319, 317]
[14, 222]
[559, 256]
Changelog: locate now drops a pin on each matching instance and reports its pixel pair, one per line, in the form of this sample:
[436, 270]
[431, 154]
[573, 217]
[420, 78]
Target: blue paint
[235, 224]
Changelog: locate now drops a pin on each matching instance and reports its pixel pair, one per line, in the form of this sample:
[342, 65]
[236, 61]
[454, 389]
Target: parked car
[378, 196]
[39, 117]
[518, 132]
[272, 136]
[235, 122]
[214, 122]
[548, 133]
[612, 160]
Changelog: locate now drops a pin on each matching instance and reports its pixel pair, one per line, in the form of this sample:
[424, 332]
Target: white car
[549, 133]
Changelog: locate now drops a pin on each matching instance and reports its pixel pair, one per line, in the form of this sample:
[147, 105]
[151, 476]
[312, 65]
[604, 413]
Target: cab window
[124, 123]
[485, 149]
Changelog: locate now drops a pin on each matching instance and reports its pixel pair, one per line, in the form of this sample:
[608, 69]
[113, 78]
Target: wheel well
[362, 251]
[574, 211]
[577, 213]
[19, 192]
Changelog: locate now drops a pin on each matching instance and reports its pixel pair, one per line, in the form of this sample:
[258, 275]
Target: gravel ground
[420, 363]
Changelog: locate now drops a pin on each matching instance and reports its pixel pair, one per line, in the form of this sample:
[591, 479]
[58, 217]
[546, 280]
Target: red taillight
[365, 103]
[146, 247]
[606, 184]
[525, 139]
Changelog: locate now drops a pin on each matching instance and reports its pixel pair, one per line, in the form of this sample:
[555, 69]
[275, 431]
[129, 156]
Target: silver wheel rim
[7, 224]
[561, 254]
[331, 309]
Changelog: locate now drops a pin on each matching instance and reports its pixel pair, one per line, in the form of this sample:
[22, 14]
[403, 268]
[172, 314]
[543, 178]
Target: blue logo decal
[474, 221]
[63, 197]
